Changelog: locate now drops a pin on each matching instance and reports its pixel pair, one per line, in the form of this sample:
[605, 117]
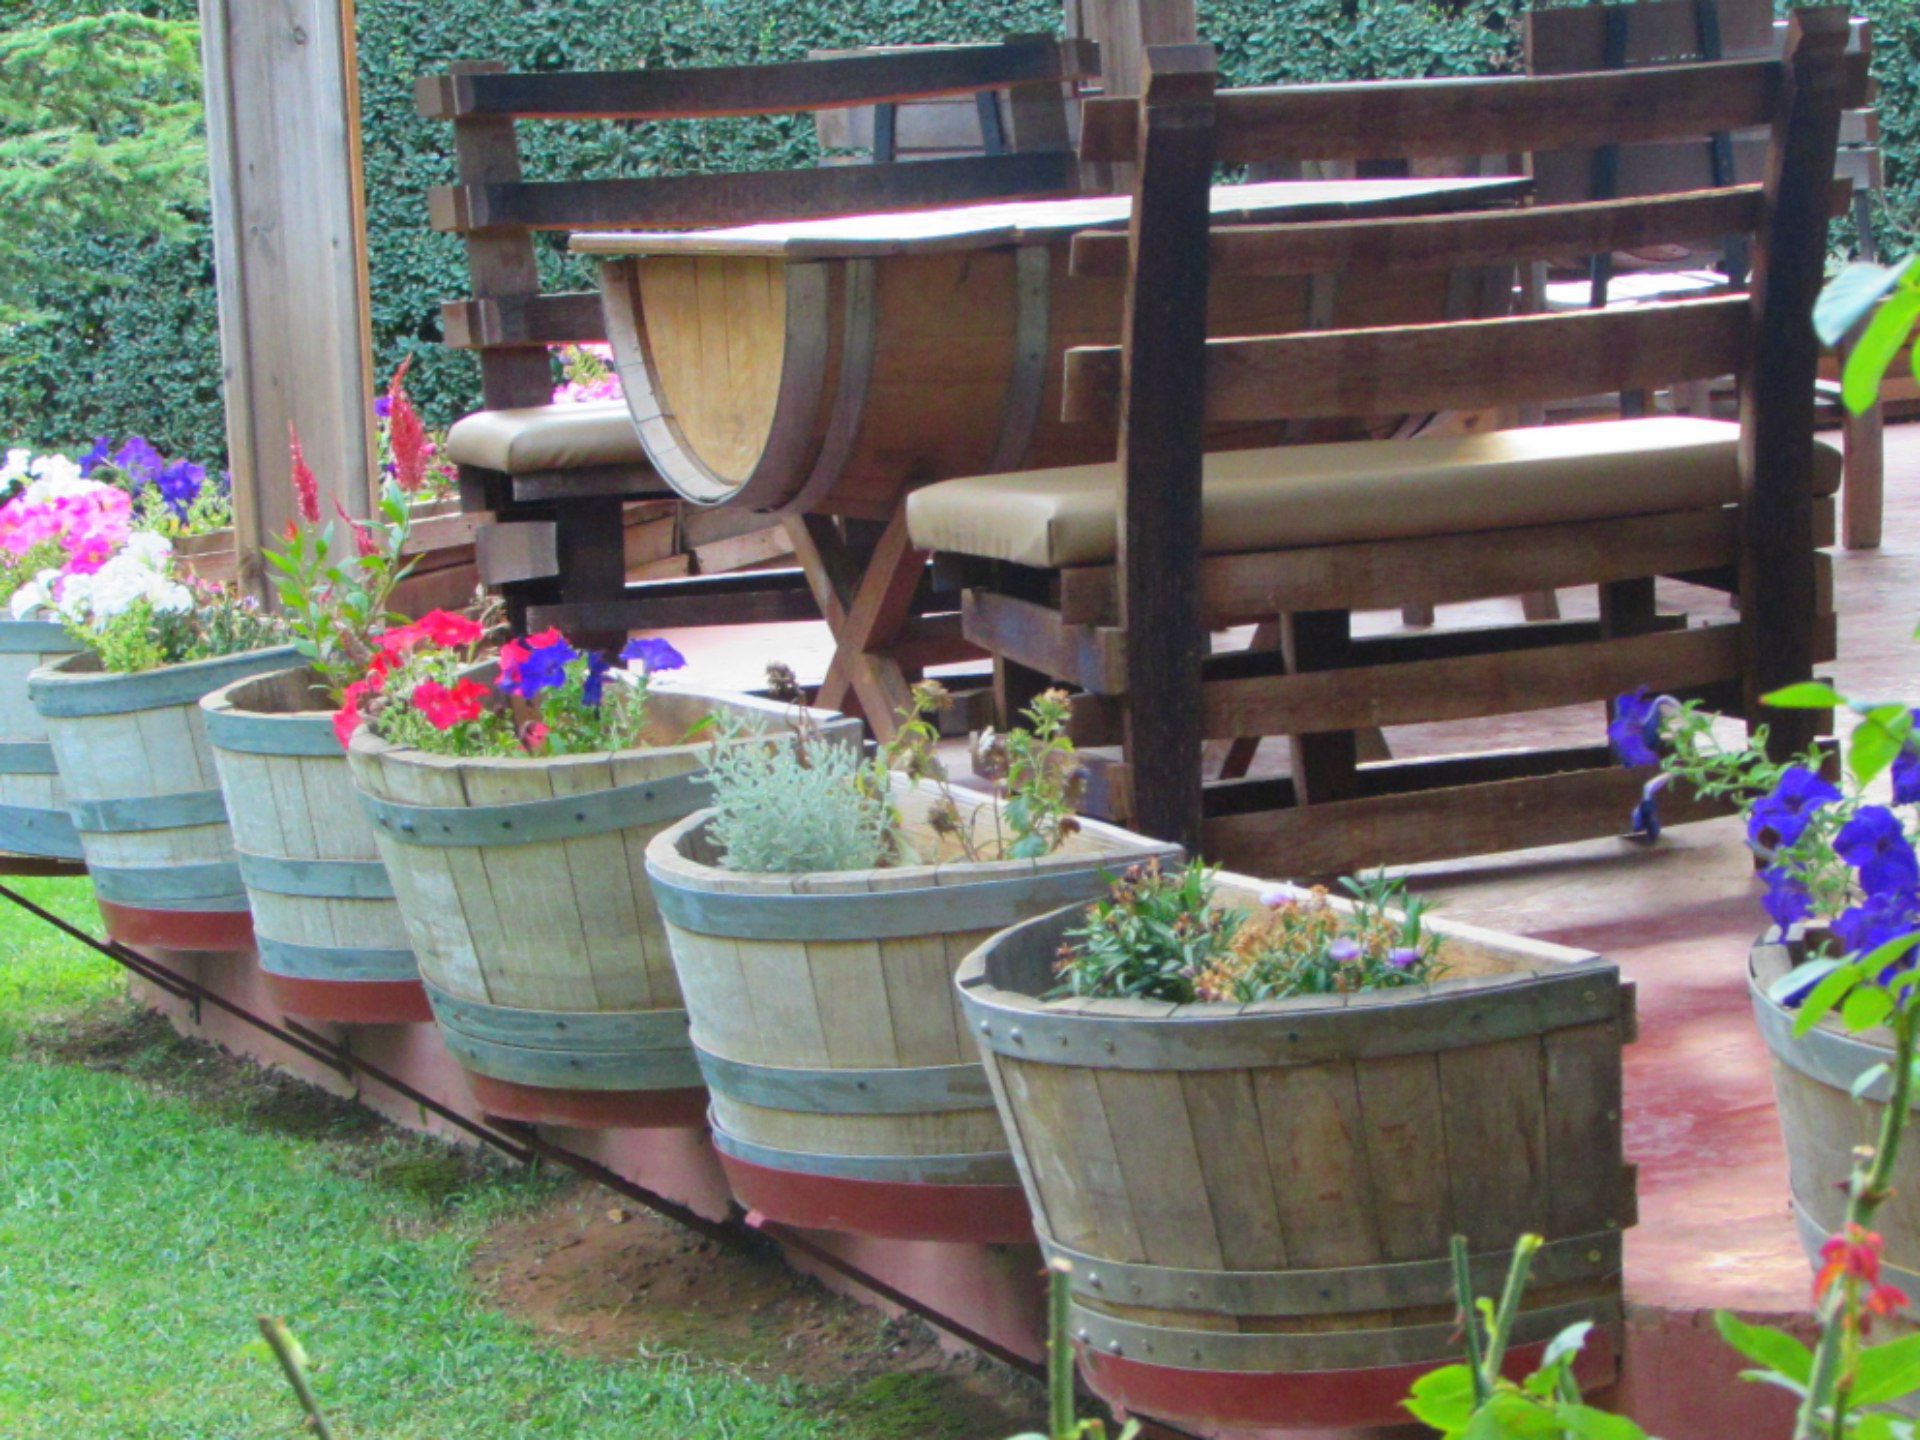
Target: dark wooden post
[1162, 404]
[1777, 588]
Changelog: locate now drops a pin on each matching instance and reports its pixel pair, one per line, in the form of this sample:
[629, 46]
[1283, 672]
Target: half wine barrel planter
[33, 814]
[522, 882]
[846, 1094]
[1813, 1076]
[141, 787]
[1256, 1200]
[331, 942]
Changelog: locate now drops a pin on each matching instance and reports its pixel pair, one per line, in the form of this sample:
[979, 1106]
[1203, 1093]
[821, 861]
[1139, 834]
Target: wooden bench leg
[1863, 439]
[866, 615]
[1324, 763]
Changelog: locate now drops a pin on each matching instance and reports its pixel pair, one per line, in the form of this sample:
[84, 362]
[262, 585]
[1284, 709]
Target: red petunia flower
[446, 708]
[550, 636]
[347, 718]
[534, 737]
[400, 639]
[512, 656]
[455, 632]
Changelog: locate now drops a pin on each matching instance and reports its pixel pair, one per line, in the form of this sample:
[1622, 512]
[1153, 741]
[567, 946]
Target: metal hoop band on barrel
[316, 879]
[985, 1168]
[905, 1090]
[61, 694]
[139, 813]
[333, 962]
[647, 802]
[569, 1050]
[214, 886]
[251, 733]
[34, 830]
[27, 757]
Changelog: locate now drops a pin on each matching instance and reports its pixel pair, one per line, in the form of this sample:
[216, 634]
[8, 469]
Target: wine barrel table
[522, 882]
[1256, 1200]
[140, 784]
[847, 1094]
[33, 812]
[331, 942]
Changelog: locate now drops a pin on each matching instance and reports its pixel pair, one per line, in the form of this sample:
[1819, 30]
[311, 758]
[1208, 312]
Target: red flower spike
[406, 434]
[365, 543]
[306, 490]
[1855, 1254]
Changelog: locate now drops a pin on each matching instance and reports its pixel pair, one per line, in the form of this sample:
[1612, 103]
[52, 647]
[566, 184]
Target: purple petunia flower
[98, 455]
[1906, 770]
[595, 685]
[1786, 901]
[544, 668]
[654, 655]
[139, 459]
[383, 405]
[1878, 919]
[1875, 843]
[1344, 951]
[180, 484]
[1403, 957]
[1789, 809]
[1635, 727]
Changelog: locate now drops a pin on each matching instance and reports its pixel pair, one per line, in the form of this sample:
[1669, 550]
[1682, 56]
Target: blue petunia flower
[595, 685]
[654, 655]
[544, 668]
[1875, 843]
[383, 405]
[1906, 770]
[1878, 919]
[1789, 809]
[180, 484]
[139, 459]
[98, 455]
[1787, 901]
[1635, 727]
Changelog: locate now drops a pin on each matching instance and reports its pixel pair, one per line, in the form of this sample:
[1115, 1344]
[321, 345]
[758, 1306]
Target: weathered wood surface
[33, 812]
[138, 775]
[322, 904]
[289, 222]
[822, 1044]
[1271, 1187]
[553, 925]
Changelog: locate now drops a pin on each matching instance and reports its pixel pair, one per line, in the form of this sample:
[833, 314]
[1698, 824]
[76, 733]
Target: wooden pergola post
[290, 256]
[1124, 29]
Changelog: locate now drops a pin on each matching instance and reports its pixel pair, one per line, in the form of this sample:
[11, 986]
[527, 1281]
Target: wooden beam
[680, 92]
[754, 598]
[507, 320]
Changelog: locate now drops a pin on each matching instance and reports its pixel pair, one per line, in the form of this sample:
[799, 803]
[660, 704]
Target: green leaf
[1773, 1348]
[1873, 352]
[1799, 978]
[1566, 1345]
[1851, 294]
[1443, 1398]
[1887, 1372]
[1827, 994]
[1591, 1424]
[1866, 1007]
[1807, 695]
[1877, 740]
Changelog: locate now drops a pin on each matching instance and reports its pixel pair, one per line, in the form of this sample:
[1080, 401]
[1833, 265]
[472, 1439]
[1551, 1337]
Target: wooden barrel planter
[33, 813]
[523, 886]
[144, 795]
[1813, 1077]
[331, 942]
[846, 1094]
[1256, 1200]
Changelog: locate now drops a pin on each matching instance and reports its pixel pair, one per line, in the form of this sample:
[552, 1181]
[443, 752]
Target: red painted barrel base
[178, 929]
[350, 1002]
[590, 1109]
[884, 1209]
[1310, 1400]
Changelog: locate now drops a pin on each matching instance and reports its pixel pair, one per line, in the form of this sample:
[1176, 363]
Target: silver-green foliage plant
[785, 806]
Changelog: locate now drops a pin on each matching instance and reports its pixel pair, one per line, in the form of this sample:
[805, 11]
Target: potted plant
[817, 912]
[512, 806]
[331, 943]
[54, 520]
[123, 717]
[1249, 1118]
[1841, 882]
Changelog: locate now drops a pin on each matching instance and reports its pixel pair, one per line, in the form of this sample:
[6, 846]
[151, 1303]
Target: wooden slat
[1466, 687]
[1489, 115]
[1573, 38]
[1443, 242]
[572, 318]
[758, 597]
[1469, 365]
[1380, 574]
[1032, 635]
[635, 480]
[688, 201]
[524, 550]
[688, 91]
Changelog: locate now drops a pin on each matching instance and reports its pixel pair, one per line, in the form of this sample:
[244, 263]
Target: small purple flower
[1635, 727]
[595, 684]
[139, 460]
[544, 668]
[1878, 919]
[654, 655]
[1786, 901]
[180, 484]
[94, 458]
[1875, 843]
[1344, 951]
[1403, 957]
[1906, 770]
[383, 405]
[1789, 809]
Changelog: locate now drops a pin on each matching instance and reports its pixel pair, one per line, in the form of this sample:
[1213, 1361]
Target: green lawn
[142, 1228]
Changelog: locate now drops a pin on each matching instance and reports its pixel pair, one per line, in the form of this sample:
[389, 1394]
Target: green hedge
[143, 355]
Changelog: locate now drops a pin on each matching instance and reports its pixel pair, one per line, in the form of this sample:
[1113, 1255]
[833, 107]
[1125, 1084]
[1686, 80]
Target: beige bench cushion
[547, 437]
[1303, 495]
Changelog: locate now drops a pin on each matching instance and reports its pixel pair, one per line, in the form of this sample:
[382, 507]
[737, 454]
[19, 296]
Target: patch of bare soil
[610, 1279]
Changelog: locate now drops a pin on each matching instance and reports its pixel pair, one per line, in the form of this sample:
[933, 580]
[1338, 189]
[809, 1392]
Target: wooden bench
[1111, 577]
[559, 480]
